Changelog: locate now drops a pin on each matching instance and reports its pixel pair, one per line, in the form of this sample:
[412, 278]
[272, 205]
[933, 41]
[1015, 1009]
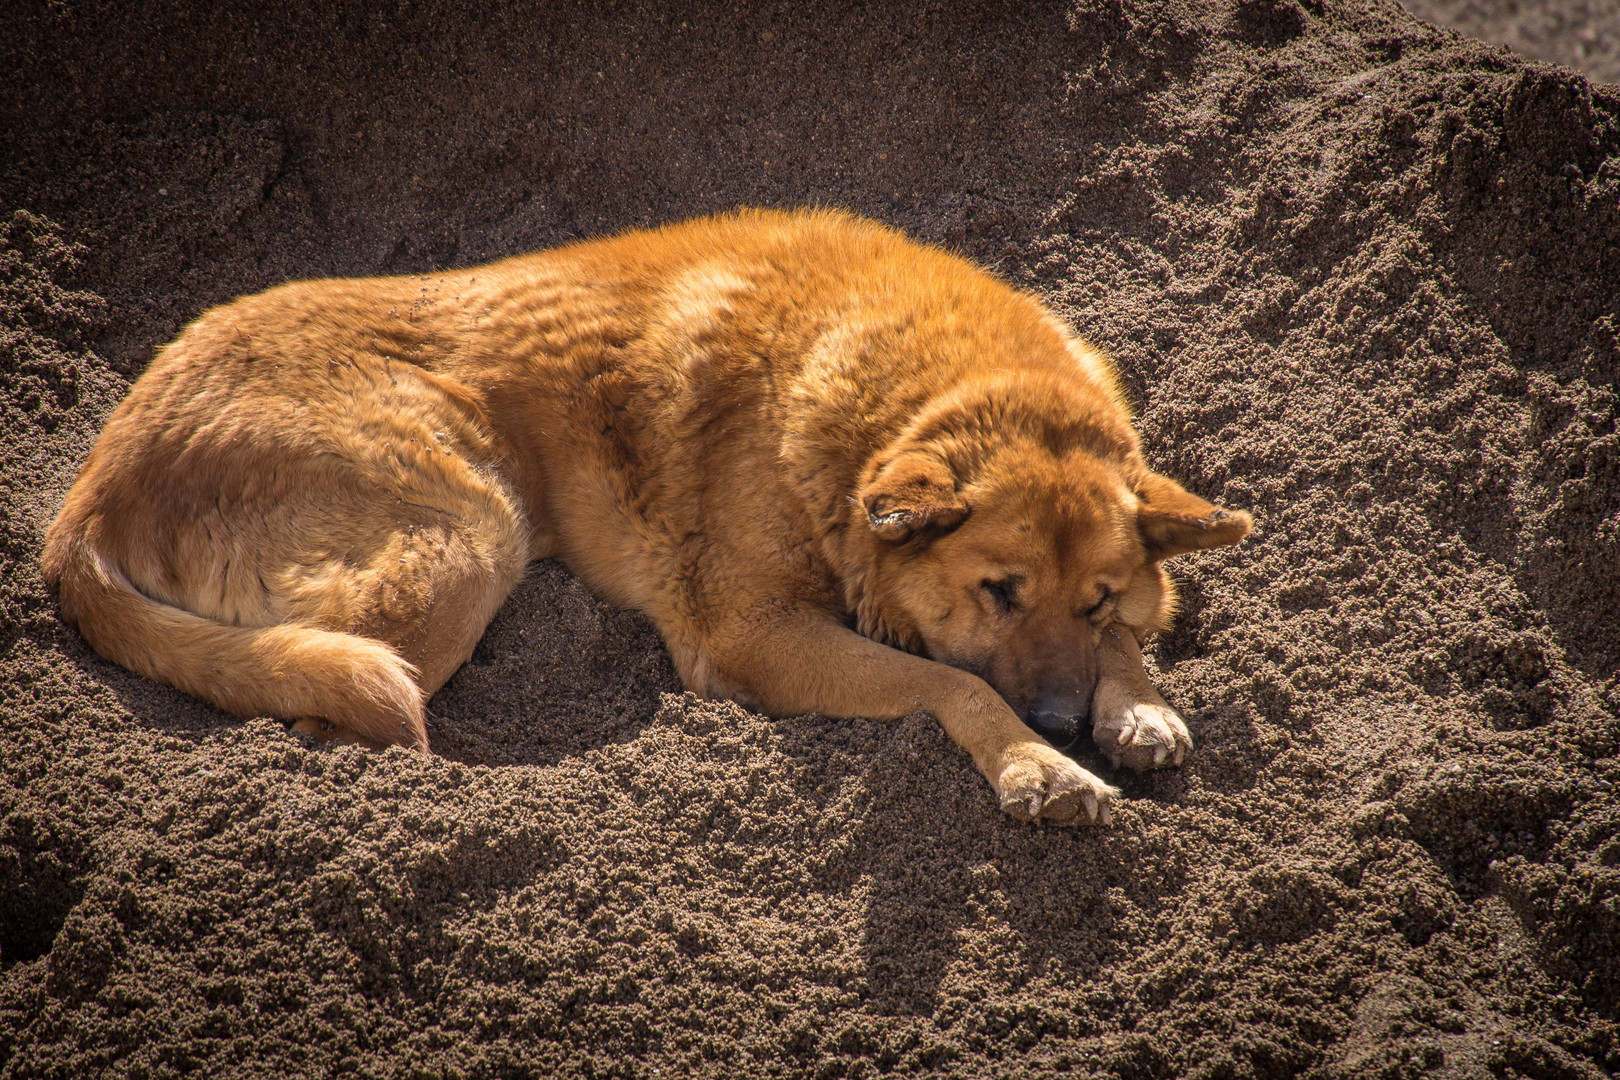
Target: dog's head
[1012, 566]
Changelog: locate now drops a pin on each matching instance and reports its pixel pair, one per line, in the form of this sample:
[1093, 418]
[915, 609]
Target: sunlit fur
[762, 429]
[1052, 488]
[1066, 546]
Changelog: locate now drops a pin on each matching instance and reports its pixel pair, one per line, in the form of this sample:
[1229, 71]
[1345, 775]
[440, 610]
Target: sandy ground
[1361, 276]
[1582, 34]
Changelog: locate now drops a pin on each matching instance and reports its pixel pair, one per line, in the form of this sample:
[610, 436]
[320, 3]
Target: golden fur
[842, 472]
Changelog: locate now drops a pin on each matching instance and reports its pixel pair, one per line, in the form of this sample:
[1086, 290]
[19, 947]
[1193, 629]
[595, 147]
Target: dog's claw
[1025, 805]
[1037, 783]
[1142, 735]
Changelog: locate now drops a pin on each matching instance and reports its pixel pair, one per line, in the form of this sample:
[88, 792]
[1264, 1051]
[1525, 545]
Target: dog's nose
[1060, 719]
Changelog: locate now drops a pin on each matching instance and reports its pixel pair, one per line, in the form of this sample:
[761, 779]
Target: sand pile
[1362, 277]
[1582, 34]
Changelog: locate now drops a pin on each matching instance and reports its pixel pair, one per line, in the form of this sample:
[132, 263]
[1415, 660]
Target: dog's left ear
[1172, 520]
[914, 491]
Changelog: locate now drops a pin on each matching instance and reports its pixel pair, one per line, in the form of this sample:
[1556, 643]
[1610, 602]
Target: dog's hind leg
[427, 589]
[340, 606]
[427, 592]
[284, 523]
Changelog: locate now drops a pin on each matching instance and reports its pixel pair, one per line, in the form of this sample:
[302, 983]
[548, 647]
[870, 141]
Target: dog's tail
[288, 670]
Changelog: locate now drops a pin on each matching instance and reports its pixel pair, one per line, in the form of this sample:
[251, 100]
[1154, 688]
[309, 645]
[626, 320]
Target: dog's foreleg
[1130, 721]
[788, 664]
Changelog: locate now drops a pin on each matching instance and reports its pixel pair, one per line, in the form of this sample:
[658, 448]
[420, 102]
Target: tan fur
[842, 472]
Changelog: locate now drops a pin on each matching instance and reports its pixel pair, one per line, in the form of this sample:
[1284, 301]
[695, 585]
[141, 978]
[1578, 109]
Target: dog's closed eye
[1004, 592]
[1101, 605]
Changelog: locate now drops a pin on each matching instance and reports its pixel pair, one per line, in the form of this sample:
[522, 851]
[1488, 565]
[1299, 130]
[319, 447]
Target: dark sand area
[1362, 277]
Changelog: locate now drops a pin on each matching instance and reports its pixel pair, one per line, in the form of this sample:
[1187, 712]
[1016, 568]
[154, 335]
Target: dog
[841, 471]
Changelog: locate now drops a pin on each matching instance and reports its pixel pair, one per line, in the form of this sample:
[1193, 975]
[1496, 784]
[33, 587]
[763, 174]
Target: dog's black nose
[1063, 732]
[1060, 719]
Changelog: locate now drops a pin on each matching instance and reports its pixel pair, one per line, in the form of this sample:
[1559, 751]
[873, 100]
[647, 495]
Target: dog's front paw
[1142, 734]
[1036, 783]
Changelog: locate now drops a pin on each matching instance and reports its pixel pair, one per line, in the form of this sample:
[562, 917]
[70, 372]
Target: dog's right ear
[915, 491]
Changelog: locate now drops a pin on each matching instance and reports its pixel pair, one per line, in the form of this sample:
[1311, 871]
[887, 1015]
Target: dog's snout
[1059, 718]
[1066, 675]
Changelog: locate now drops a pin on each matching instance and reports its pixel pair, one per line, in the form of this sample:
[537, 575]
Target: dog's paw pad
[1144, 736]
[1039, 784]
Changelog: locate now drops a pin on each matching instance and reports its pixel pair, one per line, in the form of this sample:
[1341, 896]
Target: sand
[1361, 277]
[1582, 34]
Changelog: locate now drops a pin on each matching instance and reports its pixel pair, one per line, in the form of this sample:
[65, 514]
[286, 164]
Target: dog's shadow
[946, 877]
[556, 674]
[559, 673]
[944, 872]
[963, 904]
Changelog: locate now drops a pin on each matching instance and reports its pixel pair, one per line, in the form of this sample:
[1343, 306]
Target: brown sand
[1582, 34]
[1361, 276]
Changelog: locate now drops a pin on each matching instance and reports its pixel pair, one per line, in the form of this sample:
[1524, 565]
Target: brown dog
[842, 472]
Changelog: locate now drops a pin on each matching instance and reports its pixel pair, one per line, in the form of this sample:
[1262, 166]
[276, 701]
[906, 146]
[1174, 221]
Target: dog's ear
[915, 491]
[1172, 520]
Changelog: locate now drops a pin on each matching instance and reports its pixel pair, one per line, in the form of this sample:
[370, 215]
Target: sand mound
[1361, 276]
